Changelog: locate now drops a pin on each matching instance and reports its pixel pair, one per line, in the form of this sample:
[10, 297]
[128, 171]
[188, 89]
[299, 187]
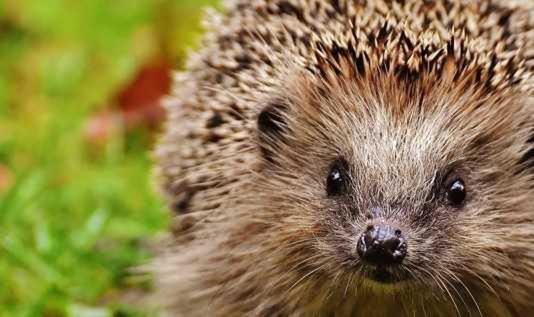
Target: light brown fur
[404, 91]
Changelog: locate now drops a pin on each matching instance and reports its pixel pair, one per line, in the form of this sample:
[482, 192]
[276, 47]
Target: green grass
[76, 215]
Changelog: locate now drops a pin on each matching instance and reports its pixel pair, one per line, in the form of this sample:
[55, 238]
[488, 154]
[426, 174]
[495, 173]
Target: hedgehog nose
[382, 245]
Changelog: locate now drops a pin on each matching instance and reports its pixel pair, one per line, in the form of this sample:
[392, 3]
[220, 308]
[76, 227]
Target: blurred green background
[78, 207]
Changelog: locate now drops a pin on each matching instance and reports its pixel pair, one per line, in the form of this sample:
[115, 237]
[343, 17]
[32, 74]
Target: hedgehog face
[398, 184]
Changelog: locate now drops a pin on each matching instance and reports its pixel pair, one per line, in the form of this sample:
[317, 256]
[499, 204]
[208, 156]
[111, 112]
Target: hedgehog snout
[382, 245]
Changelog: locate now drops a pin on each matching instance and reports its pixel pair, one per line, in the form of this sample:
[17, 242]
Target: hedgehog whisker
[470, 294]
[433, 276]
[307, 275]
[451, 297]
[351, 282]
[483, 280]
[455, 290]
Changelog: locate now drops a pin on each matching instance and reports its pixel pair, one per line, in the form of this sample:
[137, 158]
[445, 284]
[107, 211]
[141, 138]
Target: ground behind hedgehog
[76, 211]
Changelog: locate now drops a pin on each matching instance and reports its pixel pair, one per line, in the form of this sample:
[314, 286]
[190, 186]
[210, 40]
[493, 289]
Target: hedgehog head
[389, 170]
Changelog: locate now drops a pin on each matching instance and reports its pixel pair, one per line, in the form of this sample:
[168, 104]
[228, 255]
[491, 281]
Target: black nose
[382, 245]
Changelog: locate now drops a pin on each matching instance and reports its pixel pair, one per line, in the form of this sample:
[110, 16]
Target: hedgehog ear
[527, 161]
[272, 126]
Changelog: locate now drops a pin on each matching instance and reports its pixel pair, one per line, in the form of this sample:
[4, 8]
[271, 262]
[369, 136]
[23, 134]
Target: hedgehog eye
[456, 192]
[337, 178]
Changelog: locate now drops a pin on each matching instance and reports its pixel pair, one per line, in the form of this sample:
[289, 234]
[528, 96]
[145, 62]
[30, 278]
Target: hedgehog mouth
[385, 275]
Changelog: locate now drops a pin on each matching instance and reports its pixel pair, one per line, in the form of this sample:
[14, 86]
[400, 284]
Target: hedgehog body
[307, 132]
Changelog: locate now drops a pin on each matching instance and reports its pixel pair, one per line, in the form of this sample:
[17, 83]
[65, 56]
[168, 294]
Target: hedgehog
[352, 158]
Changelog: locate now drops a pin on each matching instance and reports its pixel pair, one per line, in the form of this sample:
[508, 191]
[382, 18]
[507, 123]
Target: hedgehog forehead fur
[404, 97]
[395, 133]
